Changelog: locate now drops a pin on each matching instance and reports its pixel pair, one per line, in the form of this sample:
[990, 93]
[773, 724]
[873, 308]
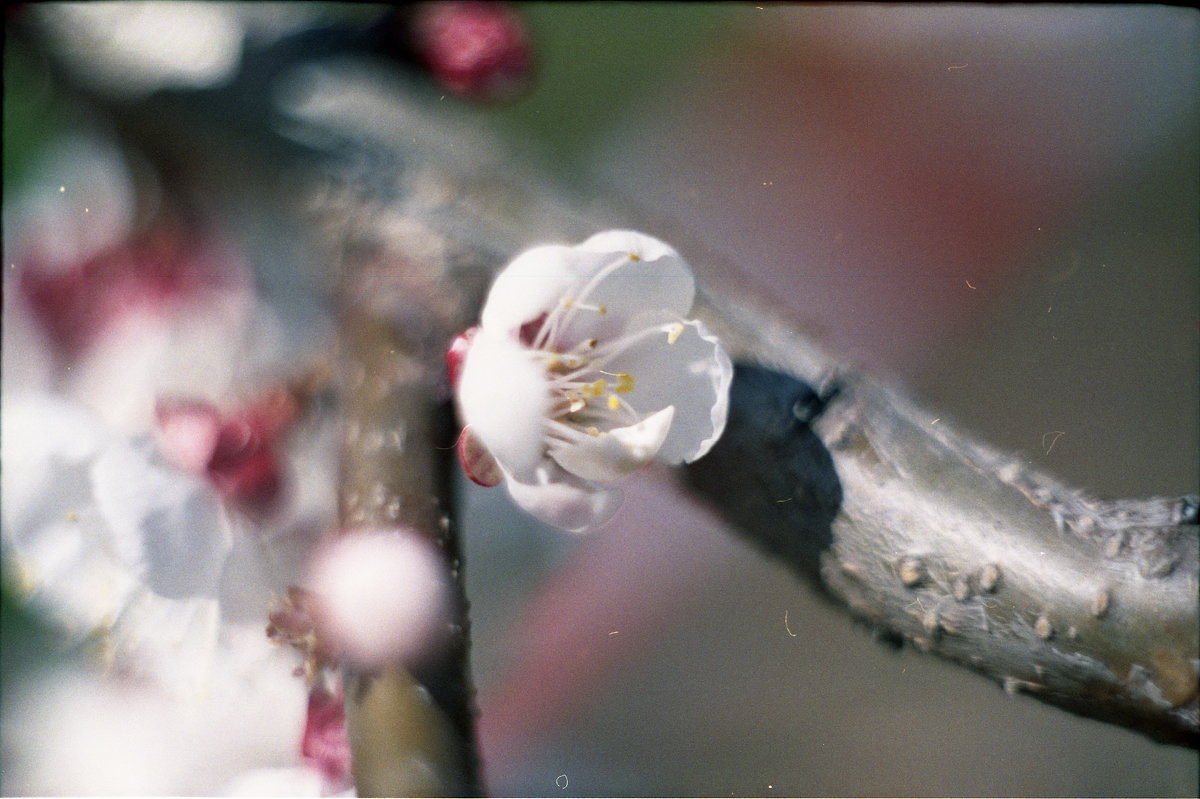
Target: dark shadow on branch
[796, 501]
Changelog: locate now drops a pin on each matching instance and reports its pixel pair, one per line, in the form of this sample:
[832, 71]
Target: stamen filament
[589, 287]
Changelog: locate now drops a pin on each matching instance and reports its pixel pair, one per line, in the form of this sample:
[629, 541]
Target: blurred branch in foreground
[930, 537]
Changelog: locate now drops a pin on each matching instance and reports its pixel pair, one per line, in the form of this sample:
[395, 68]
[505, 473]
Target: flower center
[589, 395]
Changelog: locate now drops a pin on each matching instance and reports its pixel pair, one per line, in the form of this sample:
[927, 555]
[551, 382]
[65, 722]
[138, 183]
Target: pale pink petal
[381, 596]
[187, 432]
[687, 367]
[614, 454]
[533, 284]
[503, 396]
[645, 247]
[651, 277]
[563, 500]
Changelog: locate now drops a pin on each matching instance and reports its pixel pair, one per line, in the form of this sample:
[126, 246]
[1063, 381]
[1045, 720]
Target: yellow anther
[614, 402]
[633, 256]
[674, 332]
[596, 389]
[553, 362]
[576, 402]
[567, 302]
[624, 383]
[603, 309]
[593, 432]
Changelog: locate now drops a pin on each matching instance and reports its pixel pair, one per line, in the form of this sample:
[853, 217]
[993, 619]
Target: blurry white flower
[137, 47]
[114, 546]
[380, 596]
[585, 369]
[129, 544]
[75, 732]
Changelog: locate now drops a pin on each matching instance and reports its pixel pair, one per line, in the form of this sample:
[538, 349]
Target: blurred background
[994, 208]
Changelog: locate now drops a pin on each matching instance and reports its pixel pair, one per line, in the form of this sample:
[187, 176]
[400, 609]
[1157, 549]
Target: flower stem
[411, 733]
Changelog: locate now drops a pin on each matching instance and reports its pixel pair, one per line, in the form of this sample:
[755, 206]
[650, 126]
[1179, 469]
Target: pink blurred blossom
[476, 50]
[152, 274]
[381, 596]
[325, 744]
[236, 451]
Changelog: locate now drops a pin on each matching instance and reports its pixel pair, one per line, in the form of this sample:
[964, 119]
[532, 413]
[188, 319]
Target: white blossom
[584, 369]
[381, 595]
[158, 584]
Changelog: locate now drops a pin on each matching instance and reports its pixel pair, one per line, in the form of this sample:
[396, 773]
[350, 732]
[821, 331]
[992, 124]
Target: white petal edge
[688, 368]
[658, 280]
[562, 500]
[614, 454]
[532, 284]
[504, 397]
[643, 246]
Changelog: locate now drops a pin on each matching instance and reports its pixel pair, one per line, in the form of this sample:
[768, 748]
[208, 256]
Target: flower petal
[477, 463]
[166, 525]
[563, 500]
[688, 368]
[504, 397]
[187, 432]
[647, 248]
[533, 284]
[614, 454]
[635, 273]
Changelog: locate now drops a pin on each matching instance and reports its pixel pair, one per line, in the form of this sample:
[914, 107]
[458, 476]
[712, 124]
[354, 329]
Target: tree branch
[411, 733]
[962, 551]
[932, 538]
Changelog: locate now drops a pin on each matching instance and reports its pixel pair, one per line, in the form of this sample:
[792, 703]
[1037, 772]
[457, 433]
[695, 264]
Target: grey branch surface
[411, 734]
[962, 551]
[932, 538]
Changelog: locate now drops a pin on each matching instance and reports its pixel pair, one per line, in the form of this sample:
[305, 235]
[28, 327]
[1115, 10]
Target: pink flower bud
[476, 50]
[457, 352]
[477, 463]
[326, 744]
[236, 452]
[381, 596]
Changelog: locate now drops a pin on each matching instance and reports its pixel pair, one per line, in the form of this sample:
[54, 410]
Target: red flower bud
[457, 353]
[475, 50]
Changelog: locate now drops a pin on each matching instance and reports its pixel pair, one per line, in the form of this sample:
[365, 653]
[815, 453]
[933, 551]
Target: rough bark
[411, 733]
[964, 552]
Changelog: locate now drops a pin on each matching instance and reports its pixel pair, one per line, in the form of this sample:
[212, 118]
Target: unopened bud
[476, 50]
[382, 596]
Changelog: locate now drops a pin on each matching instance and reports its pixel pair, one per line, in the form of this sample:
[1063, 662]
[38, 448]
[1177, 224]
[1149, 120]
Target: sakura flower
[585, 369]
